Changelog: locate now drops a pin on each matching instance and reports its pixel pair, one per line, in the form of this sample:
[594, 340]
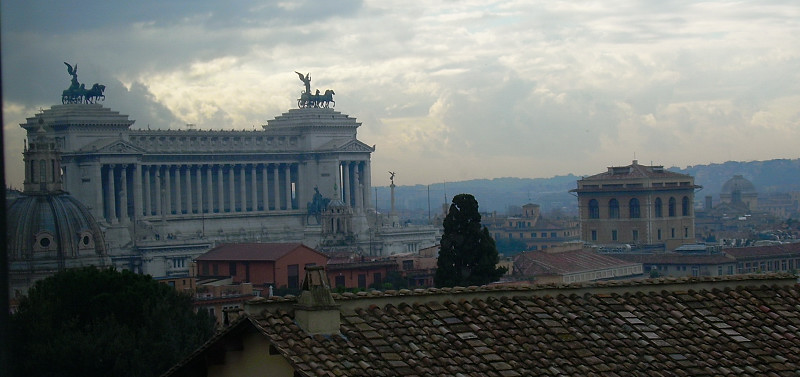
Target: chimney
[315, 311]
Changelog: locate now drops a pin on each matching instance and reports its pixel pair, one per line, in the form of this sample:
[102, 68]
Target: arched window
[594, 209]
[672, 205]
[685, 206]
[633, 207]
[659, 211]
[613, 209]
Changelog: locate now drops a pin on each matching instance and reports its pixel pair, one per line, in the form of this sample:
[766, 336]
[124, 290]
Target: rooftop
[728, 326]
[251, 251]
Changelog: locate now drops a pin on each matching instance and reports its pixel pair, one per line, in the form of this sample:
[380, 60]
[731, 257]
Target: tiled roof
[250, 251]
[569, 262]
[729, 326]
[675, 258]
[763, 251]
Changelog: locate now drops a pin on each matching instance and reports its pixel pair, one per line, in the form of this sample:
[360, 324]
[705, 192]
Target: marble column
[288, 173]
[232, 187]
[138, 193]
[346, 182]
[209, 189]
[220, 190]
[253, 189]
[276, 188]
[148, 202]
[198, 172]
[158, 190]
[97, 179]
[112, 197]
[178, 193]
[168, 190]
[189, 188]
[242, 189]
[123, 194]
[367, 177]
[265, 187]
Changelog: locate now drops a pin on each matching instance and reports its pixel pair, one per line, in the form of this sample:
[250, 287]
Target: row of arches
[635, 208]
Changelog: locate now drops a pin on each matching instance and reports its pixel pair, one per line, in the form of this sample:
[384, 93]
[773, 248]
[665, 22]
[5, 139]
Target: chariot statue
[77, 92]
[316, 100]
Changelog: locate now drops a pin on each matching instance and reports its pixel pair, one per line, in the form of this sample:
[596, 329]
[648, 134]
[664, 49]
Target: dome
[738, 184]
[55, 227]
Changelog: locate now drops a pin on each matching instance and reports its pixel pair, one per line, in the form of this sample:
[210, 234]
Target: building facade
[163, 197]
[532, 229]
[638, 205]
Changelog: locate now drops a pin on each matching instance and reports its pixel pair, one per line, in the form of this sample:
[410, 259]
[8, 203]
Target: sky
[446, 90]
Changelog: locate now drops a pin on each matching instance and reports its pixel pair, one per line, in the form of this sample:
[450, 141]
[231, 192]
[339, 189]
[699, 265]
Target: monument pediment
[355, 146]
[113, 146]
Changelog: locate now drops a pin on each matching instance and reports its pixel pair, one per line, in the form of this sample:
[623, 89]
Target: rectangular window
[362, 280]
[533, 235]
[408, 265]
[673, 232]
[719, 270]
[613, 235]
[232, 268]
[594, 235]
[544, 235]
[521, 235]
[686, 232]
[659, 234]
[205, 268]
[216, 269]
[339, 281]
[293, 270]
[376, 279]
[635, 235]
[553, 235]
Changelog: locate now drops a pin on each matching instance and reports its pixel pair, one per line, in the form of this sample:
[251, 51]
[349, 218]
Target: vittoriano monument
[77, 92]
[308, 100]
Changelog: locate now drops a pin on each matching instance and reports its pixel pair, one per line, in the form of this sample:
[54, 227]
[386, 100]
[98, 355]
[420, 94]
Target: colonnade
[355, 183]
[164, 190]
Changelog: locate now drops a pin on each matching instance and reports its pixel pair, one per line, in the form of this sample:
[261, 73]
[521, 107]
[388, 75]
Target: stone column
[232, 187]
[265, 186]
[167, 190]
[288, 173]
[253, 189]
[148, 203]
[276, 188]
[157, 190]
[138, 193]
[178, 191]
[97, 179]
[189, 189]
[199, 186]
[242, 188]
[123, 194]
[367, 177]
[220, 190]
[300, 187]
[112, 202]
[357, 189]
[209, 189]
[346, 182]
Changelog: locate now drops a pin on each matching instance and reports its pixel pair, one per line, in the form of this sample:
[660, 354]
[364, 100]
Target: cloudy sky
[447, 90]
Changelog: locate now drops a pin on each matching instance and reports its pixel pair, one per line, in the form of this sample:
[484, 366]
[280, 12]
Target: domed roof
[52, 226]
[739, 184]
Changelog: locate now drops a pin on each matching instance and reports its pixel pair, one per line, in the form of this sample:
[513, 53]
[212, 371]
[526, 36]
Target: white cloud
[447, 90]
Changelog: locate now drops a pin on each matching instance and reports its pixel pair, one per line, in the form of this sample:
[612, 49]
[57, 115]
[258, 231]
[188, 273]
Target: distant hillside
[767, 176]
[553, 193]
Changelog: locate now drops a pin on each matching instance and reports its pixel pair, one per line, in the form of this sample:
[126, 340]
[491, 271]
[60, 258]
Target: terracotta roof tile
[670, 327]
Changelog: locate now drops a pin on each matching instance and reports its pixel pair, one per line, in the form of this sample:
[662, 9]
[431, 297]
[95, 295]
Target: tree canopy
[467, 255]
[101, 322]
